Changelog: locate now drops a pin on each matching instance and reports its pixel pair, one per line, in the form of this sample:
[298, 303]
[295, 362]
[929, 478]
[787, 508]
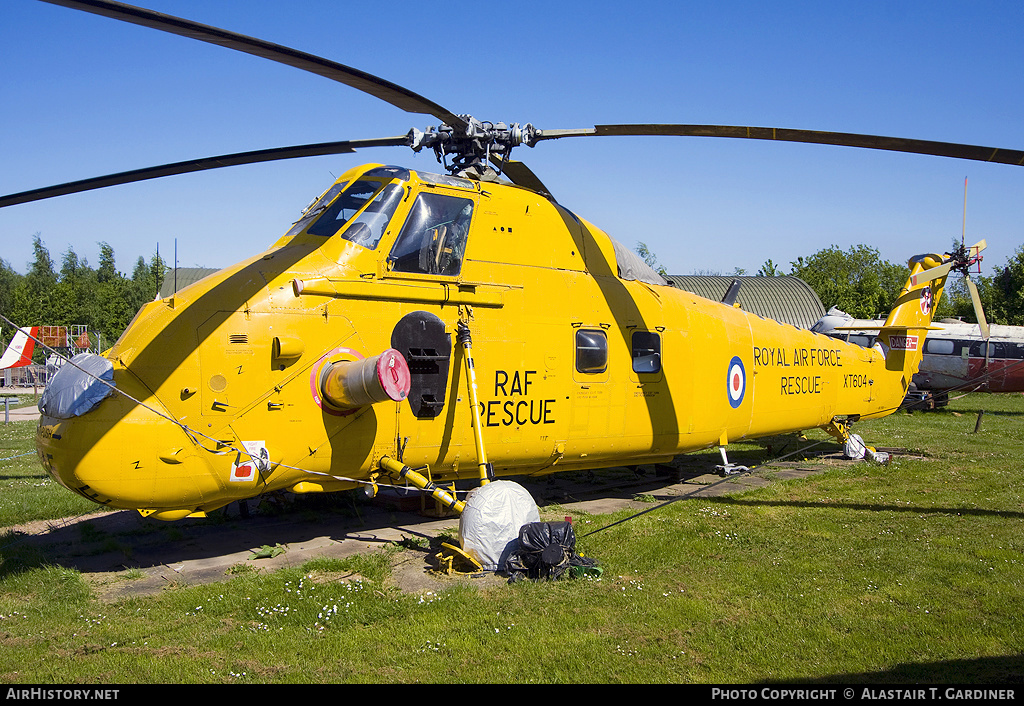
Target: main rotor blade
[521, 175]
[844, 139]
[368, 83]
[198, 165]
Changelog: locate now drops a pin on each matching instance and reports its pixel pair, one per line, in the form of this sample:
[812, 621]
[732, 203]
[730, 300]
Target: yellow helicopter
[424, 328]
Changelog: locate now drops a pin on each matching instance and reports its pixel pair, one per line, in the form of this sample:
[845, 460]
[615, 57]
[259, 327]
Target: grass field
[911, 572]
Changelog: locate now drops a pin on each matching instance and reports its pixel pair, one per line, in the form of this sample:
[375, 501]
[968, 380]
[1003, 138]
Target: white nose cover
[78, 386]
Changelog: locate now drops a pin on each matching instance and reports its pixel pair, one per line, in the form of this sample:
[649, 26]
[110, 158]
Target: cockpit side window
[316, 209]
[369, 226]
[433, 239]
[344, 207]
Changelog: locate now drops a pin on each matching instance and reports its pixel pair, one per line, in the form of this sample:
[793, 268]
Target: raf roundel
[926, 300]
[736, 382]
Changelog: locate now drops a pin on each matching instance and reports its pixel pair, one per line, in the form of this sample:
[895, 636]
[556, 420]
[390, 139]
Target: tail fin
[902, 337]
[19, 353]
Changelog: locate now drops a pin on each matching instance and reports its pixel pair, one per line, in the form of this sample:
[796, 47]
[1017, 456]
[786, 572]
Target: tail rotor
[961, 260]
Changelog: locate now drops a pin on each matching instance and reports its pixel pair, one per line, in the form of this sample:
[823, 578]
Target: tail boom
[901, 339]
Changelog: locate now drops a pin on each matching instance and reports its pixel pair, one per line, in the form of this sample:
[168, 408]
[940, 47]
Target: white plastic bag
[489, 527]
[854, 447]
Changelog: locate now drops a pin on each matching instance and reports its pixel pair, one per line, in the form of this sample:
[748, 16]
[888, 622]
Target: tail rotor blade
[978, 309]
[933, 273]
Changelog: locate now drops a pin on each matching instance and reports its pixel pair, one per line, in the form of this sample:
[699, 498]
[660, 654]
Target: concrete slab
[124, 554]
[22, 414]
[24, 411]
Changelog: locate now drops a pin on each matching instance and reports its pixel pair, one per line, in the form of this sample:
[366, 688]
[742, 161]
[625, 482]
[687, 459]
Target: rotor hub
[965, 257]
[471, 147]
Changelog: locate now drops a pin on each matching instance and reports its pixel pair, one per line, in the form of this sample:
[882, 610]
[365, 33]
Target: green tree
[650, 258]
[119, 307]
[857, 280]
[768, 269]
[107, 270]
[74, 294]
[103, 299]
[147, 279]
[956, 302]
[1007, 291]
[33, 299]
[9, 280]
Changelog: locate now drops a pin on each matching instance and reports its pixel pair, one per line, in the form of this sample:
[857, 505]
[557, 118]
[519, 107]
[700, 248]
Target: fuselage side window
[433, 239]
[939, 346]
[978, 350]
[646, 352]
[591, 351]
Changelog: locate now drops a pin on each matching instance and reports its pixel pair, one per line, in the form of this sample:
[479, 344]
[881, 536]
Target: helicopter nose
[95, 439]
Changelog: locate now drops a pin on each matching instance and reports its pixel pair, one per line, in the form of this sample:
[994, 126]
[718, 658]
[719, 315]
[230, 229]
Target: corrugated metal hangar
[786, 299]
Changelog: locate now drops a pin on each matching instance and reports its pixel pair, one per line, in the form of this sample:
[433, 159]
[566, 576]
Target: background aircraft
[957, 358]
[19, 352]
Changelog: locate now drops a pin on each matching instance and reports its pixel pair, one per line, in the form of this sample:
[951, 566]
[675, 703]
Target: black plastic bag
[546, 550]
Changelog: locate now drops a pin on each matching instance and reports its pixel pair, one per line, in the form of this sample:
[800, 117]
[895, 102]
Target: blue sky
[84, 95]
